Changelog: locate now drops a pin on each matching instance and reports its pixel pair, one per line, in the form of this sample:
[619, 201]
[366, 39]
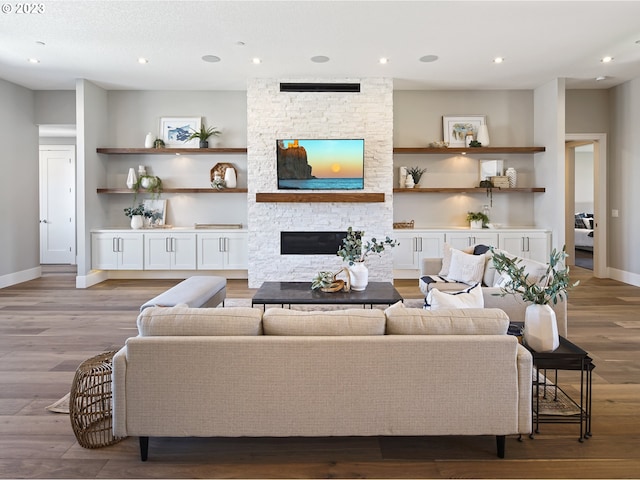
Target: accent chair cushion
[281, 321]
[182, 320]
[417, 321]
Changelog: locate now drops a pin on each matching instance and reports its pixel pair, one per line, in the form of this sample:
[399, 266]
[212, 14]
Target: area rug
[553, 404]
[61, 406]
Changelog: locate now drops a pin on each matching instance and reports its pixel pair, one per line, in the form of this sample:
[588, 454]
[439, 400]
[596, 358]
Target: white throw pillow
[468, 298]
[466, 268]
[446, 258]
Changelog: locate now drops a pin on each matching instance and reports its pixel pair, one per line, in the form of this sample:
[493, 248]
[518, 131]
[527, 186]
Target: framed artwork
[175, 130]
[455, 128]
[158, 209]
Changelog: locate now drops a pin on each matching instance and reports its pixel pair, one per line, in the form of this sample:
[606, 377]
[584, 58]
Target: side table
[567, 356]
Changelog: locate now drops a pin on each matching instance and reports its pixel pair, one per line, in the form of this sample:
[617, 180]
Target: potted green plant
[416, 173]
[137, 215]
[477, 219]
[540, 327]
[203, 134]
[150, 183]
[354, 252]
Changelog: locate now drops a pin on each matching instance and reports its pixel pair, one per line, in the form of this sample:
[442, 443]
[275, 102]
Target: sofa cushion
[182, 320]
[466, 268]
[535, 270]
[446, 258]
[281, 321]
[468, 298]
[417, 321]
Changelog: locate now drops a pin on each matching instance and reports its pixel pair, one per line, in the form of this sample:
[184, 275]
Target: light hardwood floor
[48, 327]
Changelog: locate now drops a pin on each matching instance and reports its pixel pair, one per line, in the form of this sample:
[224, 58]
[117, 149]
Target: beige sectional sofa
[513, 305]
[234, 372]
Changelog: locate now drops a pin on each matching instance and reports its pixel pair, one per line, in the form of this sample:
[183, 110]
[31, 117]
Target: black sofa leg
[144, 448]
[500, 442]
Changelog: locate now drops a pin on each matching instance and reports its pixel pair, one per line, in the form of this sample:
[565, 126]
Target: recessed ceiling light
[320, 59]
[33, 60]
[211, 58]
[498, 60]
[256, 61]
[606, 59]
[142, 60]
[600, 78]
[383, 61]
[428, 58]
[240, 43]
[40, 43]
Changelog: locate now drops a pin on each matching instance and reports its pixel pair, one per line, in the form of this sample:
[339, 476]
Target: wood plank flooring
[48, 327]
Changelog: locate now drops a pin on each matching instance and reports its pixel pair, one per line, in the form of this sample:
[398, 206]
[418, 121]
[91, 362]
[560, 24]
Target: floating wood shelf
[320, 197]
[171, 151]
[470, 150]
[175, 190]
[468, 190]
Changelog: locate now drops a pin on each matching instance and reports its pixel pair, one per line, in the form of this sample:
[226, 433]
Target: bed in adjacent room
[583, 237]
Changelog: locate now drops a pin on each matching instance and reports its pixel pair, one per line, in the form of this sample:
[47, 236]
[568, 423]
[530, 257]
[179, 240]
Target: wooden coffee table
[300, 293]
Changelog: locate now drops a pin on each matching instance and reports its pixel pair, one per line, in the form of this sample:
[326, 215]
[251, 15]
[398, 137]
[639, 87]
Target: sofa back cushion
[471, 321]
[182, 320]
[280, 321]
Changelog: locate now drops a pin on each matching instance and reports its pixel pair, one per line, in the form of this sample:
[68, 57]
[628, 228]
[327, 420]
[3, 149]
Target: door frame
[599, 140]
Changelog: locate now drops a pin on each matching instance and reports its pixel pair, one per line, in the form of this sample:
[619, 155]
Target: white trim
[19, 277]
[92, 278]
[624, 276]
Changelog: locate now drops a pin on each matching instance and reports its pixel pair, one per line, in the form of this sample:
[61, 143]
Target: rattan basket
[90, 402]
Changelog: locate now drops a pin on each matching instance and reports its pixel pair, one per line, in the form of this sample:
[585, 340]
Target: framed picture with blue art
[175, 131]
[456, 127]
[157, 209]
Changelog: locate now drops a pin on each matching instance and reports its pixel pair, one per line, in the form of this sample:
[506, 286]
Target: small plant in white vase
[137, 215]
[354, 252]
[477, 219]
[540, 326]
[416, 174]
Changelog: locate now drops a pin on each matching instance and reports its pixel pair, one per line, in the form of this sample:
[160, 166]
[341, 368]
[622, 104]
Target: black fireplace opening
[311, 243]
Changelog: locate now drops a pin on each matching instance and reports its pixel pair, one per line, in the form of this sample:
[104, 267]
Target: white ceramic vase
[483, 135]
[137, 222]
[230, 177]
[541, 328]
[409, 183]
[359, 274]
[131, 178]
[149, 140]
[476, 224]
[512, 176]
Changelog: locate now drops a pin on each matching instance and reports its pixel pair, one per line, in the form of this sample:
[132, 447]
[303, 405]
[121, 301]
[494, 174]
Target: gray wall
[587, 111]
[19, 204]
[55, 107]
[623, 176]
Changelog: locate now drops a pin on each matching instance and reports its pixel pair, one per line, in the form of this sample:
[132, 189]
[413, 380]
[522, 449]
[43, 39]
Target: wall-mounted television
[320, 164]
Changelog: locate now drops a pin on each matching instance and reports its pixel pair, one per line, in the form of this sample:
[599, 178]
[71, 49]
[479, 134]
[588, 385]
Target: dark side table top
[300, 293]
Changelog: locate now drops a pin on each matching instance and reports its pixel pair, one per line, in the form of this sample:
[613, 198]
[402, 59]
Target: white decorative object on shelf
[512, 175]
[483, 135]
[137, 222]
[142, 170]
[131, 178]
[409, 183]
[230, 177]
[402, 176]
[149, 140]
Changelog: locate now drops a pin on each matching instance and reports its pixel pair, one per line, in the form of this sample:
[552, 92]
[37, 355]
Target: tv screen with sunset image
[321, 164]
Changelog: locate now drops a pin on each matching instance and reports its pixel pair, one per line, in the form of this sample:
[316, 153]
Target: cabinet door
[236, 251]
[431, 245]
[183, 251]
[157, 255]
[104, 251]
[533, 245]
[406, 255]
[131, 251]
[210, 251]
[539, 245]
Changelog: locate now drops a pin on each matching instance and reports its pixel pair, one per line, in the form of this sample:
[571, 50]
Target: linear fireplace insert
[311, 243]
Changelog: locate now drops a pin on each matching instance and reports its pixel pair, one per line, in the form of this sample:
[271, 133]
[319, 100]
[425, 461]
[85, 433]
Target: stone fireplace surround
[272, 114]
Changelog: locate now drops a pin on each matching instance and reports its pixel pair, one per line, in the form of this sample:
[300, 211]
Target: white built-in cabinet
[223, 251]
[527, 244]
[117, 251]
[427, 243]
[169, 250]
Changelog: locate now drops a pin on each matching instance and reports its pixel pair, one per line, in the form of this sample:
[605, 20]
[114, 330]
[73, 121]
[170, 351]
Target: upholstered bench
[196, 292]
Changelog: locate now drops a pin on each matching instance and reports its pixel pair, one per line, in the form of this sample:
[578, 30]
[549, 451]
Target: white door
[57, 204]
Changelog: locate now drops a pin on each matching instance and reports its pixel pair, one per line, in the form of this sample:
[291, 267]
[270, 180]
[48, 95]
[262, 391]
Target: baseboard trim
[20, 277]
[623, 276]
[93, 278]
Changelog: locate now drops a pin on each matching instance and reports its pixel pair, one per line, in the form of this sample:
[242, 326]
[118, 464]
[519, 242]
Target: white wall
[19, 207]
[275, 115]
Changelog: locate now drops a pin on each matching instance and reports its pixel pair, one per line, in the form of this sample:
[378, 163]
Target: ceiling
[102, 40]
